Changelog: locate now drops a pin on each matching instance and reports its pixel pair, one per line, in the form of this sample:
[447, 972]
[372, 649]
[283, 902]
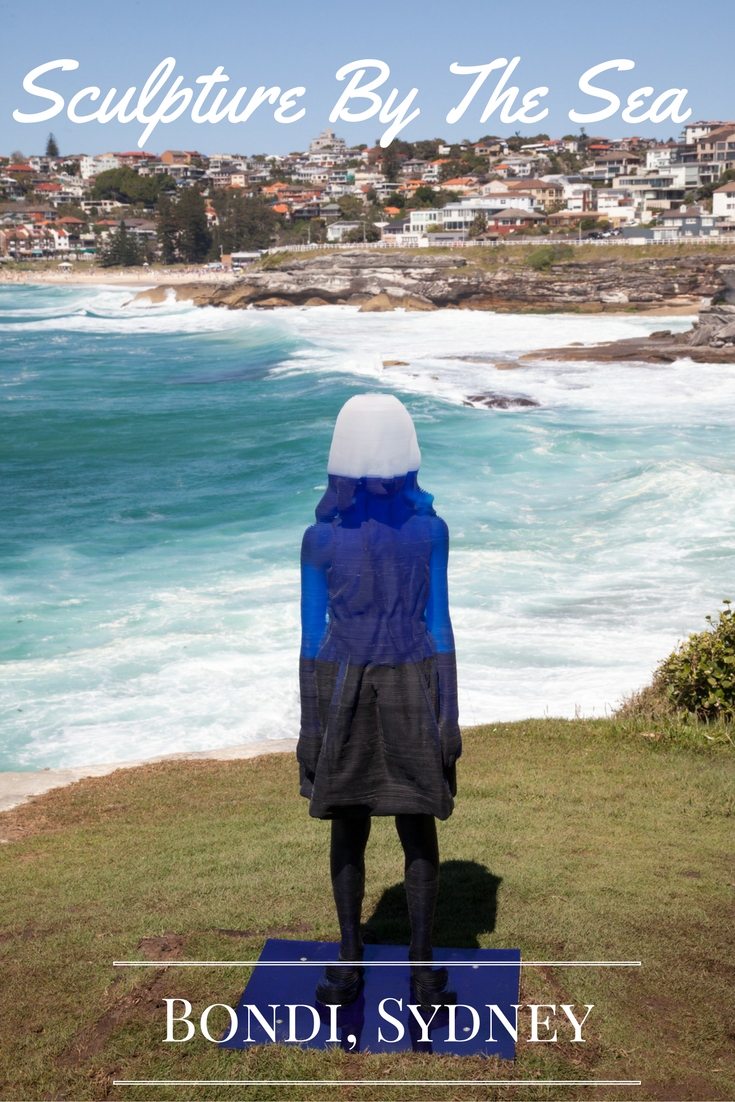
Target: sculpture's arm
[440, 625]
[314, 603]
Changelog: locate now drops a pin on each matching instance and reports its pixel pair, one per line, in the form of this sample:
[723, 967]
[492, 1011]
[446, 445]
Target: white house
[430, 172]
[327, 140]
[659, 157]
[579, 197]
[312, 174]
[516, 165]
[337, 230]
[694, 131]
[103, 206]
[460, 216]
[723, 201]
[496, 199]
[369, 177]
[92, 166]
[616, 205]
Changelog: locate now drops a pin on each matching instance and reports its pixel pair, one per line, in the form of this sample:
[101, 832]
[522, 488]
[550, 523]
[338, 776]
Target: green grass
[581, 840]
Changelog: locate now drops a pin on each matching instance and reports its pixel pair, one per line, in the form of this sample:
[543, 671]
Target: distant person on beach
[379, 719]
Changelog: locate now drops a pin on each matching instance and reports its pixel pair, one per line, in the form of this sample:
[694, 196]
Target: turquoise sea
[158, 465]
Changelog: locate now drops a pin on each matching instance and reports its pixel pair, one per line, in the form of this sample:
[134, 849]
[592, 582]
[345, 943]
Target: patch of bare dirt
[144, 1001]
[686, 1088]
[165, 947]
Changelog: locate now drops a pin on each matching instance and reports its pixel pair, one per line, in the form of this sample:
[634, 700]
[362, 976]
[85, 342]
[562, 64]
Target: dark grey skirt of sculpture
[381, 752]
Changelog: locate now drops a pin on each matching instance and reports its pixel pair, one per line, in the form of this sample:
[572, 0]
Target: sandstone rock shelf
[710, 340]
[387, 279]
[381, 281]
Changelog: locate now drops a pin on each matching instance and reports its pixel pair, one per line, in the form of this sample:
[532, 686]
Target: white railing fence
[513, 241]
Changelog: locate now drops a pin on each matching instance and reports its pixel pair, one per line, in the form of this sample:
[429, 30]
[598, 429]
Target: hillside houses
[413, 193]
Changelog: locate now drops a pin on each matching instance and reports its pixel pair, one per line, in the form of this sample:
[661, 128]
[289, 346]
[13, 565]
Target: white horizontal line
[376, 1082]
[377, 963]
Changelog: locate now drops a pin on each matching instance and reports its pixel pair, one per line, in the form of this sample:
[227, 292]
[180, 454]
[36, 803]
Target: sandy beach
[18, 787]
[99, 277]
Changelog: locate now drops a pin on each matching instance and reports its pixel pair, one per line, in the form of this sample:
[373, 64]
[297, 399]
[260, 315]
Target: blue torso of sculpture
[374, 584]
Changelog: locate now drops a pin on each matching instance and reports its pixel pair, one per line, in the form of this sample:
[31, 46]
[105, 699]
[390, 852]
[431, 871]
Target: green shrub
[699, 676]
[541, 259]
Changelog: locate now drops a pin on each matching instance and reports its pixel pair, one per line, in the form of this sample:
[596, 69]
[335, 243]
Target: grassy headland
[517, 253]
[573, 840]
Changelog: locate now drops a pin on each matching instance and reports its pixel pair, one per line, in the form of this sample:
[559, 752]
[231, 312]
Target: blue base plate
[358, 1028]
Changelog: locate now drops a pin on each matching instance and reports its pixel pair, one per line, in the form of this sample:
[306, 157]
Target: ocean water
[158, 465]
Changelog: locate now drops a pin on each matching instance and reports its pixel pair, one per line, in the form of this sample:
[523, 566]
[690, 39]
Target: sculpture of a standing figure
[379, 719]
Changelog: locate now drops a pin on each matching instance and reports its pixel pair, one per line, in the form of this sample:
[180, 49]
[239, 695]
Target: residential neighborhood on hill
[138, 207]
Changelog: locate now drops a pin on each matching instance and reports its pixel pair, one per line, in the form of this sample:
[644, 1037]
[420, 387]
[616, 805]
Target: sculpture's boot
[429, 987]
[347, 861]
[418, 837]
[340, 986]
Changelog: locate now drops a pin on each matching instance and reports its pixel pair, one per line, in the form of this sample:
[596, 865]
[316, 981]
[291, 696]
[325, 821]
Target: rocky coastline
[607, 283]
[377, 281]
[710, 340]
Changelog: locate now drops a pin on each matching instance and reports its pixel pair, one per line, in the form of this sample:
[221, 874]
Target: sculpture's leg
[421, 849]
[347, 866]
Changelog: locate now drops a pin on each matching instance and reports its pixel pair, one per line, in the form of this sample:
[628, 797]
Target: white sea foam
[182, 668]
[589, 532]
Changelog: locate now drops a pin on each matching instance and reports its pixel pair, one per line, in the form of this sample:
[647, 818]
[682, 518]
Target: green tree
[542, 258]
[427, 150]
[352, 207]
[699, 677]
[452, 169]
[518, 140]
[245, 222]
[167, 230]
[444, 196]
[125, 186]
[52, 149]
[478, 225]
[365, 232]
[423, 196]
[120, 249]
[391, 164]
[194, 236]
[706, 190]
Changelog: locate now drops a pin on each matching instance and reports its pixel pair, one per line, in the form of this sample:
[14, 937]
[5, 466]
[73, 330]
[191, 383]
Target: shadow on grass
[466, 908]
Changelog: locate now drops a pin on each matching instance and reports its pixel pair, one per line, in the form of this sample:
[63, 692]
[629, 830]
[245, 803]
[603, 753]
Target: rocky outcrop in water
[394, 279]
[491, 400]
[710, 340]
